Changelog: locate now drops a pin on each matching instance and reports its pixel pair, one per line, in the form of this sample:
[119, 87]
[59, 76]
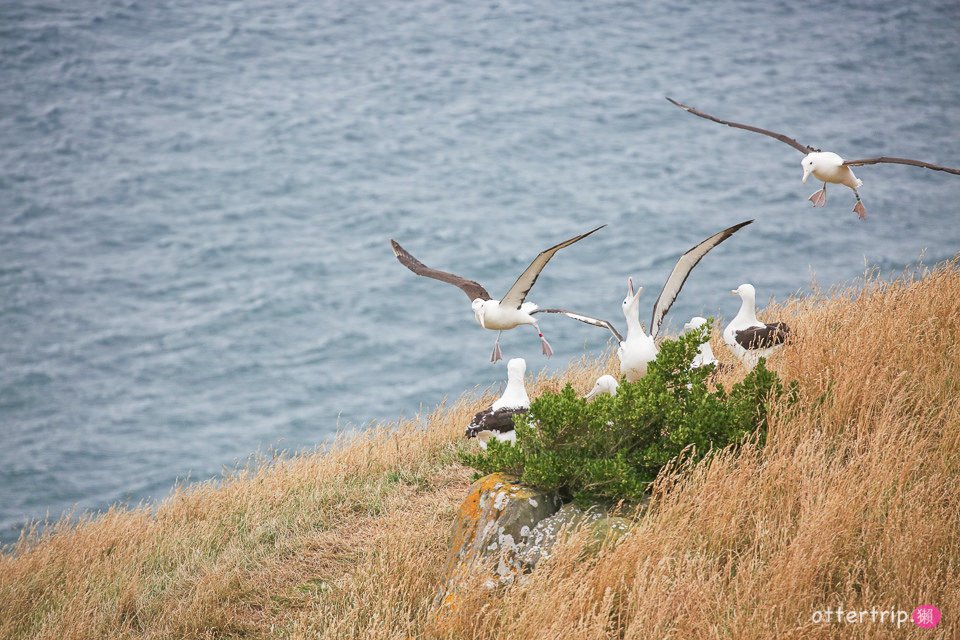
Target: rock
[503, 529]
[494, 521]
[545, 535]
[567, 521]
[606, 530]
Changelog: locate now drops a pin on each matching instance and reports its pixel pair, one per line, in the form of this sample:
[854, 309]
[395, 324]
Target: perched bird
[639, 348]
[606, 384]
[704, 355]
[748, 338]
[497, 421]
[511, 310]
[825, 166]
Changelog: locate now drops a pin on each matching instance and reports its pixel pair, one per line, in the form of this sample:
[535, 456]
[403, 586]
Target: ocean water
[196, 202]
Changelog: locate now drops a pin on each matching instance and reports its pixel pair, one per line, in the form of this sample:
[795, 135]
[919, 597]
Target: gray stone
[544, 536]
[504, 529]
[494, 520]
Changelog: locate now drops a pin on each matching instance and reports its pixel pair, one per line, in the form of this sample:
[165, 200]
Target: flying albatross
[639, 348]
[825, 166]
[748, 338]
[511, 310]
[497, 421]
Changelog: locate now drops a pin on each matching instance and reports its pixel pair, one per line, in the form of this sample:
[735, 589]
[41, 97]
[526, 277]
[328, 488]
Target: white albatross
[747, 337]
[497, 421]
[639, 348]
[825, 166]
[606, 384]
[511, 310]
[704, 355]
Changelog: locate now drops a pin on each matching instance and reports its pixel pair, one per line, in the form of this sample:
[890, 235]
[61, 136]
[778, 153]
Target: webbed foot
[496, 356]
[819, 198]
[860, 210]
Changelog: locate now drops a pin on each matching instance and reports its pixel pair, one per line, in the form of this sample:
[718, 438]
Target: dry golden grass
[855, 501]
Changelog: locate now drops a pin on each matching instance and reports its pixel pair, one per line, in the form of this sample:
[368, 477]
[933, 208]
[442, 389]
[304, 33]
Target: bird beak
[806, 174]
[734, 292]
[629, 287]
[637, 295]
[480, 318]
[592, 393]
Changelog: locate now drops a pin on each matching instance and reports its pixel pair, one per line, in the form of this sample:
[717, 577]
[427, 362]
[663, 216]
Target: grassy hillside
[855, 502]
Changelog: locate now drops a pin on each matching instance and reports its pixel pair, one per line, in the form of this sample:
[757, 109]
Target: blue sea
[197, 198]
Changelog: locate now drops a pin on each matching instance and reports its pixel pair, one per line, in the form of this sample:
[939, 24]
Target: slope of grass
[855, 501]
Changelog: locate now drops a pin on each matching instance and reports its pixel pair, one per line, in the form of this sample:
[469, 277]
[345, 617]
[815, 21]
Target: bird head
[633, 297]
[479, 309]
[808, 163]
[695, 323]
[605, 384]
[746, 292]
[516, 368]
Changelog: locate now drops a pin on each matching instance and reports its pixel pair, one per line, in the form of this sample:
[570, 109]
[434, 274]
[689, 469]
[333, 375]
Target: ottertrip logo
[926, 616]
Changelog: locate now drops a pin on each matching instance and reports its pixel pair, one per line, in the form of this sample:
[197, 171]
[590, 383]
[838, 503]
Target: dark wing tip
[729, 231]
[397, 249]
[674, 102]
[594, 230]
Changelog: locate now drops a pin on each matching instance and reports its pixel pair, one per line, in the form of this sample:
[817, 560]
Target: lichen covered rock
[545, 535]
[568, 520]
[609, 529]
[492, 524]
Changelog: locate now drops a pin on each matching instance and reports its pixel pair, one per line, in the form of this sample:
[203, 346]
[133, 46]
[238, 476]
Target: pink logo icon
[926, 616]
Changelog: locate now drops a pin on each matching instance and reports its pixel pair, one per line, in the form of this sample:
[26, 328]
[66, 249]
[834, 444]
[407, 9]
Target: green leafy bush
[612, 448]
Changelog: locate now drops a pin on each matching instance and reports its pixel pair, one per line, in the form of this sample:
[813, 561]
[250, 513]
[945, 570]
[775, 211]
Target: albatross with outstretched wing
[825, 166]
[509, 312]
[639, 348]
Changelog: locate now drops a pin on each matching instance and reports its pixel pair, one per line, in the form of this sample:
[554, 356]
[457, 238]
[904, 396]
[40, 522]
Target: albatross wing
[518, 292]
[680, 273]
[500, 421]
[893, 160]
[597, 322]
[473, 289]
[769, 335]
[802, 148]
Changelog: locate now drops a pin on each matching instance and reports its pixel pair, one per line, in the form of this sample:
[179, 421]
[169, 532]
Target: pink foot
[818, 198]
[496, 356]
[860, 210]
[547, 350]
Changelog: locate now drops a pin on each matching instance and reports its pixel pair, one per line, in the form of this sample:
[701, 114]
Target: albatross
[497, 421]
[508, 312]
[606, 384]
[639, 348]
[825, 166]
[704, 355]
[747, 337]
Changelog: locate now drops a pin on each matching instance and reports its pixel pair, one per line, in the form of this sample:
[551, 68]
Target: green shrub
[612, 448]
